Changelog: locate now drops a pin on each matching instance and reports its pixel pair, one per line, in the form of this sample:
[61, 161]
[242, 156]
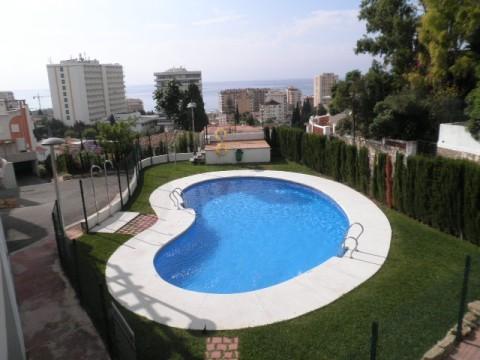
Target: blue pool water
[251, 233]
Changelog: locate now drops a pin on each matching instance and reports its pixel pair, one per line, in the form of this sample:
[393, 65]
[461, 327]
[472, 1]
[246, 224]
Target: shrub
[444, 193]
[290, 142]
[398, 180]
[42, 170]
[379, 177]
[351, 165]
[274, 143]
[471, 202]
[266, 133]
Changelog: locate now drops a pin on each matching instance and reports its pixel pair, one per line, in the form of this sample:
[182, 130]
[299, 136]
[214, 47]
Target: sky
[226, 40]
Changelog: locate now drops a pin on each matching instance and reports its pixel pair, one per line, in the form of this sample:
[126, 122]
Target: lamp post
[192, 105]
[51, 142]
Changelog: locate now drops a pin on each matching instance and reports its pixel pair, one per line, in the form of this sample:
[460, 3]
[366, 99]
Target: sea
[211, 91]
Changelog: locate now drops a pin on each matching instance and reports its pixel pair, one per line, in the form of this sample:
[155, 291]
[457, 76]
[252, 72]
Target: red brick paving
[221, 348]
[469, 349]
[54, 325]
[138, 224]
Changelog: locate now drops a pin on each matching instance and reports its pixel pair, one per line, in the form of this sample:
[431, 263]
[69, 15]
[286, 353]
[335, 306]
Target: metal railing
[176, 196]
[345, 248]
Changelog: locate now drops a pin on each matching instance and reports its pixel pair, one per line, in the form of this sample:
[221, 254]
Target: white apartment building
[273, 112]
[85, 90]
[279, 96]
[294, 97]
[322, 88]
[181, 75]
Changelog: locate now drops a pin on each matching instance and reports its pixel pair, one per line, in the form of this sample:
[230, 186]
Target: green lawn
[414, 296]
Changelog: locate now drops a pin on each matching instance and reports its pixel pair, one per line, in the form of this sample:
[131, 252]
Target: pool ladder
[354, 238]
[176, 195]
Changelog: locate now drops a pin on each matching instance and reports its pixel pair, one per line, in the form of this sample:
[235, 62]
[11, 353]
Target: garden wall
[443, 193]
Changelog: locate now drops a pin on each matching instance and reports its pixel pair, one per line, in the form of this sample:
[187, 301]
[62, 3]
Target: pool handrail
[174, 197]
[354, 238]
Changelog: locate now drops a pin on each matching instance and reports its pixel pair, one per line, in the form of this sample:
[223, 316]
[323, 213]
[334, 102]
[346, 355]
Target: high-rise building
[322, 88]
[181, 75]
[310, 100]
[279, 96]
[294, 97]
[247, 100]
[272, 112]
[85, 90]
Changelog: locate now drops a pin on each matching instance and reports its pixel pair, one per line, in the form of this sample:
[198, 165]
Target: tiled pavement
[138, 224]
[54, 325]
[469, 349]
[221, 348]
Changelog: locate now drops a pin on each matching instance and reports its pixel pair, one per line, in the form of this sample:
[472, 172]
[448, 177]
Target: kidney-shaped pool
[251, 233]
[258, 247]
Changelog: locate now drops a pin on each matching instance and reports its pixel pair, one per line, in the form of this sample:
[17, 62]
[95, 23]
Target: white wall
[259, 135]
[249, 156]
[11, 336]
[457, 137]
[7, 175]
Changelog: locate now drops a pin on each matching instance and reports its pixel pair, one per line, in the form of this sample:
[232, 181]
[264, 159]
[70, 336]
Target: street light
[51, 142]
[192, 105]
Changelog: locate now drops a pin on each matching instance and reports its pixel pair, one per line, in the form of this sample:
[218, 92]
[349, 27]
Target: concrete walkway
[54, 324]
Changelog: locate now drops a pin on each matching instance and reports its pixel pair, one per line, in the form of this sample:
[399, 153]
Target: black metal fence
[108, 179]
[105, 315]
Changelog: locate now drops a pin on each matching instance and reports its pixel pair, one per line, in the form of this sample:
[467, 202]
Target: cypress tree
[363, 177]
[471, 201]
[398, 179]
[266, 132]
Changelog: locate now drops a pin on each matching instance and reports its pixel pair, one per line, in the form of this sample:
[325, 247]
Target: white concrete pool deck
[133, 281]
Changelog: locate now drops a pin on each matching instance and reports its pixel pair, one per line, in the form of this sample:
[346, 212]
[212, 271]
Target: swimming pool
[251, 233]
[134, 282]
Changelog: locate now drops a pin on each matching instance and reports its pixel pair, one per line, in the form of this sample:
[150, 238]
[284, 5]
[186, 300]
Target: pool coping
[133, 281]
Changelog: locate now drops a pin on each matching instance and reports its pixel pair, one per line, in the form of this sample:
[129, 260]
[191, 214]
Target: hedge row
[331, 157]
[441, 192]
[444, 193]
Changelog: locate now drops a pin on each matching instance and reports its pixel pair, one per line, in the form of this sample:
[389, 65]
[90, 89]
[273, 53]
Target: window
[67, 112]
[65, 99]
[64, 93]
[66, 106]
[63, 81]
[62, 75]
[64, 88]
[68, 117]
[61, 68]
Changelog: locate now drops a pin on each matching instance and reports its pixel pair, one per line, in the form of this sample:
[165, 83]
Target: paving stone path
[54, 325]
[221, 348]
[138, 224]
[469, 348]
